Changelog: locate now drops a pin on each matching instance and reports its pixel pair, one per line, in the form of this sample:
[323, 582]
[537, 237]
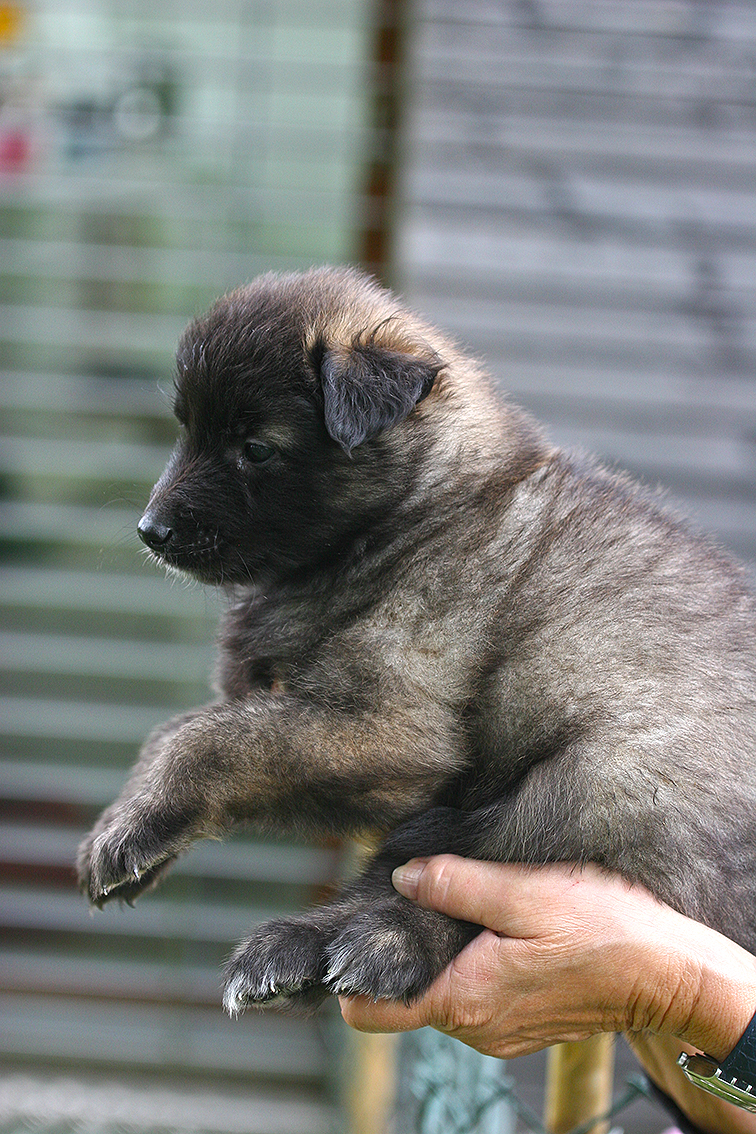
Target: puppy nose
[153, 533]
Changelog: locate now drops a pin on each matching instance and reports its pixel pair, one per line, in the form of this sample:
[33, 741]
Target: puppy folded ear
[368, 388]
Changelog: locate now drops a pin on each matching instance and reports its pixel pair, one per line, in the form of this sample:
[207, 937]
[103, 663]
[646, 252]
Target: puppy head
[287, 391]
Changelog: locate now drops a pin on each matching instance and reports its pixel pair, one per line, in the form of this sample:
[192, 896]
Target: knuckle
[437, 879]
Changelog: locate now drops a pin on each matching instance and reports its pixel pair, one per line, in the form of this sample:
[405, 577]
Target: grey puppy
[444, 632]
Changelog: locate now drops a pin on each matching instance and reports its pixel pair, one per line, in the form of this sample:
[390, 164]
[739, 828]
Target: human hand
[566, 952]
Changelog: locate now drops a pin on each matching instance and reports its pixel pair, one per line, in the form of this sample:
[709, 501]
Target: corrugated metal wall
[579, 189]
[151, 156]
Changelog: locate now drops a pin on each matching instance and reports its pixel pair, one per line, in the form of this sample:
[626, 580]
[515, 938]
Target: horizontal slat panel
[118, 332]
[594, 326]
[105, 533]
[129, 197]
[61, 1103]
[69, 720]
[732, 459]
[37, 845]
[147, 594]
[499, 265]
[74, 394]
[648, 19]
[291, 13]
[27, 970]
[592, 143]
[75, 460]
[504, 62]
[155, 917]
[65, 783]
[56, 654]
[710, 401]
[81, 260]
[133, 1034]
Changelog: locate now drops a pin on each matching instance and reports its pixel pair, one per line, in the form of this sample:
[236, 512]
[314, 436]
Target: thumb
[509, 898]
[455, 886]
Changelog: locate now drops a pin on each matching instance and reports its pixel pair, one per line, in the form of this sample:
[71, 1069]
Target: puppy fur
[443, 631]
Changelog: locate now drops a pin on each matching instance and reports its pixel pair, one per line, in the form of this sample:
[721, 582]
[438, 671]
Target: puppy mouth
[193, 562]
[198, 556]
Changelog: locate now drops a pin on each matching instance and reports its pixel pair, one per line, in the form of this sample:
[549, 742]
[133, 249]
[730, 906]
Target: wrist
[686, 981]
[658, 1055]
[703, 991]
[725, 1002]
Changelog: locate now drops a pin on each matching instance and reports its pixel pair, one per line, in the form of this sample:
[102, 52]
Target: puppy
[444, 632]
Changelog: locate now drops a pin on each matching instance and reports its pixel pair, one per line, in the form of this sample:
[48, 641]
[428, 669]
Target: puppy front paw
[128, 850]
[393, 953]
[280, 966]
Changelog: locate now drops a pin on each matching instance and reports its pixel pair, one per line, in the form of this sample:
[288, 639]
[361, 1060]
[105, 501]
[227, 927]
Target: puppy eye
[257, 452]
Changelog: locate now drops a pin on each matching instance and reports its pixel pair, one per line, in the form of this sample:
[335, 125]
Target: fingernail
[405, 878]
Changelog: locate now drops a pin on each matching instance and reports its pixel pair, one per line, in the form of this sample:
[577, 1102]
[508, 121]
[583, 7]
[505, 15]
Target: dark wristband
[734, 1079]
[741, 1062]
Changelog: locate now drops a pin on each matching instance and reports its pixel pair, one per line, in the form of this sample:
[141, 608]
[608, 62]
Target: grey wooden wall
[579, 206]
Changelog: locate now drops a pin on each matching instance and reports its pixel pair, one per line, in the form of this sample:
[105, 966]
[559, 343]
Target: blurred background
[567, 185]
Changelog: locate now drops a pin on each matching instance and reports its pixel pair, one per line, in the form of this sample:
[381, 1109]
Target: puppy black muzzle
[154, 532]
[179, 539]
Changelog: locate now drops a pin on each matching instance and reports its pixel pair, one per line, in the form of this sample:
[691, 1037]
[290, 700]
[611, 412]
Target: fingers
[367, 1015]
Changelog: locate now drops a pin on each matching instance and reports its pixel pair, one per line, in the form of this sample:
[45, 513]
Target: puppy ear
[368, 388]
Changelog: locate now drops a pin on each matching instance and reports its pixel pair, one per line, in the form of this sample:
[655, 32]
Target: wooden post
[579, 1080]
[389, 18]
[371, 1084]
[370, 1071]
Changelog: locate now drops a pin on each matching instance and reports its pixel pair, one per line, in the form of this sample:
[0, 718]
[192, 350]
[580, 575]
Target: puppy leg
[369, 940]
[283, 963]
[391, 948]
[273, 758]
[561, 810]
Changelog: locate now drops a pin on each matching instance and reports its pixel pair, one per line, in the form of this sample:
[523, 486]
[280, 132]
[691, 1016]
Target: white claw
[232, 1001]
